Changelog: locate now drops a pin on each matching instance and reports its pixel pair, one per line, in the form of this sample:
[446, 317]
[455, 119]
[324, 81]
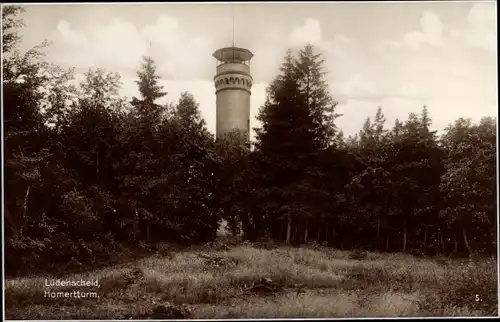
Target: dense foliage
[87, 170]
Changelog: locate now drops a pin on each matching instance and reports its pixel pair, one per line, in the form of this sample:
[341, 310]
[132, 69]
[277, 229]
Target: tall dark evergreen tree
[287, 144]
[141, 176]
[310, 71]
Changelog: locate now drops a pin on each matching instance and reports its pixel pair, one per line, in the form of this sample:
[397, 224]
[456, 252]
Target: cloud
[343, 39]
[481, 31]
[269, 52]
[409, 90]
[73, 37]
[431, 32]
[386, 44]
[358, 88]
[119, 46]
[271, 48]
[309, 32]
[392, 43]
[482, 15]
[362, 89]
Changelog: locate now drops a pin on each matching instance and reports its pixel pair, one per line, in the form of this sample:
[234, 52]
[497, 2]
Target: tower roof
[232, 53]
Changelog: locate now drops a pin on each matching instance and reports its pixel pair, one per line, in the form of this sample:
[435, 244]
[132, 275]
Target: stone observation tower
[233, 85]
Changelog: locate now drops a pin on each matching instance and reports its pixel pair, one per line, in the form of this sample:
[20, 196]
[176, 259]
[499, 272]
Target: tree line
[87, 170]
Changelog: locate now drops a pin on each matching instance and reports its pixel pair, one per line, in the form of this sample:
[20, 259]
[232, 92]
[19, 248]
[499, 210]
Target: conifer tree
[310, 71]
[287, 144]
[150, 90]
[142, 176]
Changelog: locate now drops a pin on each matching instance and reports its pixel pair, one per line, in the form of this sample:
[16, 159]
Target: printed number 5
[478, 298]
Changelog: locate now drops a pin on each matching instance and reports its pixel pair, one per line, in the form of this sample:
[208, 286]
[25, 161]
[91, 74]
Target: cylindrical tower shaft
[233, 85]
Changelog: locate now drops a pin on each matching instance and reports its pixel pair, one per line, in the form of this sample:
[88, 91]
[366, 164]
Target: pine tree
[365, 134]
[149, 89]
[141, 173]
[309, 67]
[369, 188]
[287, 145]
[415, 167]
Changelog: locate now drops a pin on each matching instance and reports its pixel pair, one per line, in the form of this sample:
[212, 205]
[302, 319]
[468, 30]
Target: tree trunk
[443, 249]
[378, 234]
[425, 240]
[404, 238]
[387, 243]
[234, 228]
[25, 210]
[289, 231]
[97, 195]
[455, 242]
[306, 232]
[147, 232]
[327, 232]
[333, 235]
[11, 221]
[466, 242]
[319, 234]
[282, 229]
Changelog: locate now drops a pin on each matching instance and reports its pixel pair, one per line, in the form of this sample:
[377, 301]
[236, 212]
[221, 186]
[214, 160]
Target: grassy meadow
[246, 281]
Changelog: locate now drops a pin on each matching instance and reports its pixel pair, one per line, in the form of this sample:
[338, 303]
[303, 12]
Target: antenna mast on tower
[232, 7]
[148, 49]
[233, 85]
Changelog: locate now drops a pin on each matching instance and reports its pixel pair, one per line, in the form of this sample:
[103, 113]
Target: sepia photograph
[249, 160]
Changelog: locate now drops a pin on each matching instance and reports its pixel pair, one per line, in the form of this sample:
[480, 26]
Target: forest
[88, 171]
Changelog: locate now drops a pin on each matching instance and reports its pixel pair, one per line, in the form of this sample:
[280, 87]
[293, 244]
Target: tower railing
[234, 61]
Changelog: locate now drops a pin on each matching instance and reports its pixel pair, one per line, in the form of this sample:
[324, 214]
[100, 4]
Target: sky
[399, 56]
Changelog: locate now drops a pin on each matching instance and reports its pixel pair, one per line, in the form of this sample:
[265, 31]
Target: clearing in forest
[249, 282]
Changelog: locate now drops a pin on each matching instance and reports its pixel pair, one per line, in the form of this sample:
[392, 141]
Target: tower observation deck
[233, 85]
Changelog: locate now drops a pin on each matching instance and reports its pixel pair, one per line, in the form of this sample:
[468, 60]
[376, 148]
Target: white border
[259, 2]
[3, 174]
[253, 2]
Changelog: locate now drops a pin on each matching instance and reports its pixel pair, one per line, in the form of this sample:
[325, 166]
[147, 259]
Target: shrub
[357, 255]
[467, 285]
